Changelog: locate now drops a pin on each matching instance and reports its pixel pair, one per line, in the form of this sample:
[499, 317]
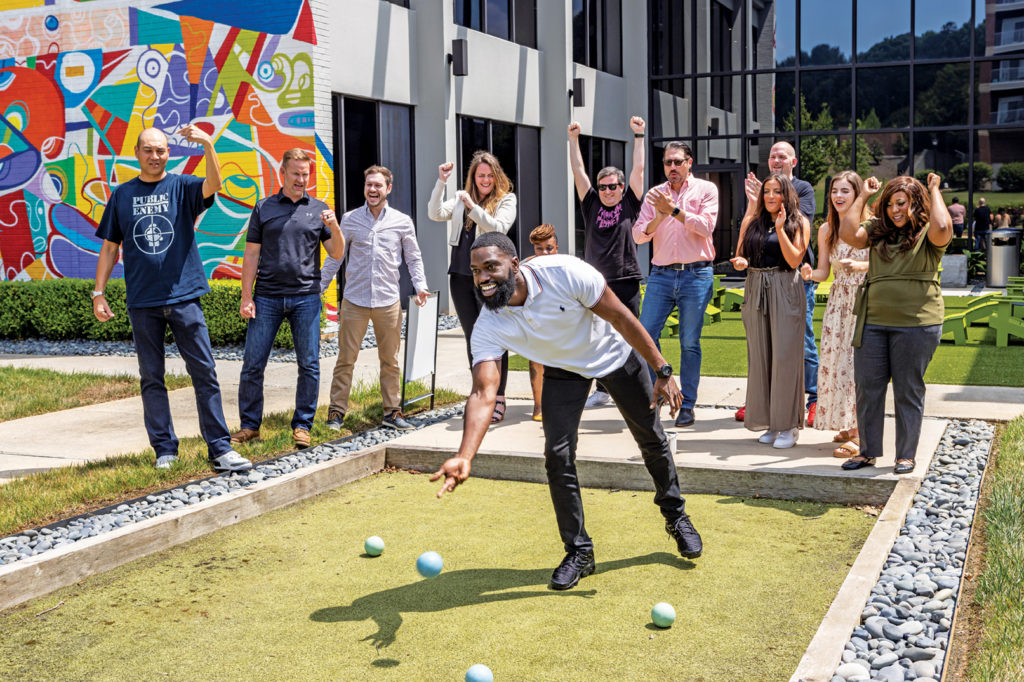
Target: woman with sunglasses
[609, 211]
[899, 308]
[837, 407]
[487, 204]
[772, 245]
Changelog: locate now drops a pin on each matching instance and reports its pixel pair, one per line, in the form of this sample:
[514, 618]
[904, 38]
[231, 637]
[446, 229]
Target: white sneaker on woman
[786, 439]
[768, 437]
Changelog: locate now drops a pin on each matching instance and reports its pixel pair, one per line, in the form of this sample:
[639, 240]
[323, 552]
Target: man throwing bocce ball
[545, 311]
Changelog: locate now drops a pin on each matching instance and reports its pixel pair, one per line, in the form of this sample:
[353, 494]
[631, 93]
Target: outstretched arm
[213, 181]
[579, 170]
[636, 174]
[479, 408]
[940, 224]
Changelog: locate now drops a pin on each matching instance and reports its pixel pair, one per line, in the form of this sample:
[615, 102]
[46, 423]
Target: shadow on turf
[465, 588]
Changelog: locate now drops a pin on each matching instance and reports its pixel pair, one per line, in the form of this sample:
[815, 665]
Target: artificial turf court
[290, 595]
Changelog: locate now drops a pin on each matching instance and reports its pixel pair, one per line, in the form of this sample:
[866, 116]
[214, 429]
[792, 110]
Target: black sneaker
[396, 421]
[336, 420]
[687, 538]
[574, 566]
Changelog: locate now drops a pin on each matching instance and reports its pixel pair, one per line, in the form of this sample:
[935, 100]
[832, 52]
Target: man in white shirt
[559, 311]
[378, 238]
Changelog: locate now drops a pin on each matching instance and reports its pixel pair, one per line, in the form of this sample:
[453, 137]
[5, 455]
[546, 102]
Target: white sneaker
[166, 461]
[768, 437]
[597, 399]
[230, 461]
[786, 439]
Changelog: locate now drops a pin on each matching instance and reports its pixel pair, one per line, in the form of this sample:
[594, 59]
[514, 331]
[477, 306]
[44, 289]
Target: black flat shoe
[904, 466]
[858, 462]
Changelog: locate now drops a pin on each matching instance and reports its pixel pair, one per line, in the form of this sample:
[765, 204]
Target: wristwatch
[665, 371]
[638, 134]
[97, 294]
[675, 212]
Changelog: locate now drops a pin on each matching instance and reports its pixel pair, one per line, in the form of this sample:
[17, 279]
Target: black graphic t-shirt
[609, 245]
[155, 224]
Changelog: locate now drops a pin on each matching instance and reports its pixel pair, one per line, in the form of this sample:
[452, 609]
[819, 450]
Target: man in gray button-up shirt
[378, 238]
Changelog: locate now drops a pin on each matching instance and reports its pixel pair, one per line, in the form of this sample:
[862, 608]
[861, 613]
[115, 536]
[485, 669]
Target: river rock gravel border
[905, 624]
[34, 542]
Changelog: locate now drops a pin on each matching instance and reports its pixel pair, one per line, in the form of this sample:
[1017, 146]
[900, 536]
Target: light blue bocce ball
[479, 673]
[429, 564]
[374, 546]
[663, 615]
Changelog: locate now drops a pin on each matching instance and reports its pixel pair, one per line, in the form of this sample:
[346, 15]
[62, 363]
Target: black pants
[899, 354]
[467, 307]
[563, 398]
[627, 291]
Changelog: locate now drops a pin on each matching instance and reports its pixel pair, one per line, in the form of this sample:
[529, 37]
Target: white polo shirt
[555, 325]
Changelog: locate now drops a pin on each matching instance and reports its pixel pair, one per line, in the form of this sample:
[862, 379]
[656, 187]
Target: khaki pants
[387, 326]
[774, 318]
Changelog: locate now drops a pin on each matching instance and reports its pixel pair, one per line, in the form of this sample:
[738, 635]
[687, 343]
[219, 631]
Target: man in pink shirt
[957, 212]
[680, 217]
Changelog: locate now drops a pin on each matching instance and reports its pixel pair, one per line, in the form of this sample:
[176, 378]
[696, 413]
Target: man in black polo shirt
[282, 255]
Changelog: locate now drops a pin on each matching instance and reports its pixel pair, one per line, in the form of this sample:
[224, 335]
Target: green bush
[1011, 176]
[957, 175]
[922, 175]
[60, 309]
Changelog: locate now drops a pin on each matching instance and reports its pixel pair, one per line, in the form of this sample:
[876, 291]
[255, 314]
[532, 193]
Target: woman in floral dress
[837, 409]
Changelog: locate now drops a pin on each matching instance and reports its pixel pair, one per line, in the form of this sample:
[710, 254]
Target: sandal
[842, 437]
[499, 411]
[904, 466]
[858, 462]
[850, 448]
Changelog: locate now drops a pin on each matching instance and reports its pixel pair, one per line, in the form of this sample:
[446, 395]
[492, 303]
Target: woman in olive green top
[899, 308]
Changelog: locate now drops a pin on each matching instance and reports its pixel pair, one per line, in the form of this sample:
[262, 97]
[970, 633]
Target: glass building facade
[885, 87]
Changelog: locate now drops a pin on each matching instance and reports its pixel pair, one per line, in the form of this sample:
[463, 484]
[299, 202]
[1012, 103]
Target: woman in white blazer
[487, 204]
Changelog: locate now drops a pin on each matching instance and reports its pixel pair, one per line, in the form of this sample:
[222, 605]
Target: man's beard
[501, 296]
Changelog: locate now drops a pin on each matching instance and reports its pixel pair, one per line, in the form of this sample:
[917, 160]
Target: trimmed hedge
[61, 309]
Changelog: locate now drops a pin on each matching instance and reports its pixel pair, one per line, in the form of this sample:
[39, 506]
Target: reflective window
[942, 28]
[597, 34]
[826, 32]
[719, 94]
[508, 19]
[825, 98]
[819, 156]
[943, 153]
[941, 94]
[785, 32]
[883, 30]
[1008, 27]
[669, 53]
[883, 155]
[785, 100]
[883, 97]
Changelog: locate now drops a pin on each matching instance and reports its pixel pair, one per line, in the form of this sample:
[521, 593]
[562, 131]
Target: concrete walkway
[95, 432]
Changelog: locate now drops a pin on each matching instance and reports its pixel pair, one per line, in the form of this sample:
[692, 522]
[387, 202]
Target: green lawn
[290, 595]
[999, 599]
[25, 392]
[978, 363]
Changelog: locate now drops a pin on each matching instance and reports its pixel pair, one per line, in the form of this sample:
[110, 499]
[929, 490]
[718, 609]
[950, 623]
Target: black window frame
[597, 37]
[521, 20]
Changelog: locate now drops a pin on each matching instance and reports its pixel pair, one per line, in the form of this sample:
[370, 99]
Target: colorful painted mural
[79, 79]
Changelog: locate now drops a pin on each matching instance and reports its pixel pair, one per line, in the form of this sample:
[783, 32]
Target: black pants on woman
[467, 307]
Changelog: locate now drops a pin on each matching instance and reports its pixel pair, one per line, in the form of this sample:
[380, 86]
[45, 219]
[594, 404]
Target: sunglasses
[676, 162]
[608, 188]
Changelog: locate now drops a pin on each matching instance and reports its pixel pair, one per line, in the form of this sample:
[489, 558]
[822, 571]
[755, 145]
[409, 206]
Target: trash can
[1003, 256]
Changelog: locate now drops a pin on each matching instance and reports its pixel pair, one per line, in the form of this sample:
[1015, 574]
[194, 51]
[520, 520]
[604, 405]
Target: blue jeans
[810, 349]
[188, 326]
[690, 291]
[303, 314]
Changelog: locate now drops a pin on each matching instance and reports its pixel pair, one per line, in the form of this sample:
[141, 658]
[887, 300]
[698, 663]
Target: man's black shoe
[574, 566]
[687, 538]
[685, 416]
